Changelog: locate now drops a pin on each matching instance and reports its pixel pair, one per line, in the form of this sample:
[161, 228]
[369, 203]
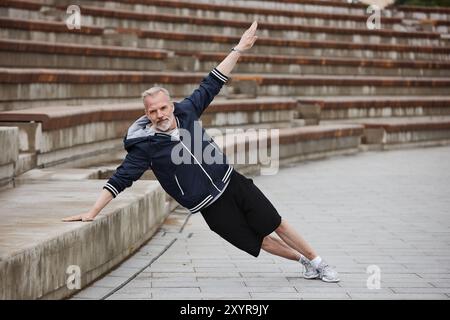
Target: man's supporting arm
[131, 169]
[103, 199]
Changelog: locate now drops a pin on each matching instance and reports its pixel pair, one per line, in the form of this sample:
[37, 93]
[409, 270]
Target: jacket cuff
[111, 188]
[219, 76]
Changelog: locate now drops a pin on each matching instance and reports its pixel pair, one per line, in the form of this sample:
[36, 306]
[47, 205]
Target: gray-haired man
[231, 204]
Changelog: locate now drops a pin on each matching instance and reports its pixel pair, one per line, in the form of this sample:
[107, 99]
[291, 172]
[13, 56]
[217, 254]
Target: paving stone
[111, 281]
[388, 209]
[92, 292]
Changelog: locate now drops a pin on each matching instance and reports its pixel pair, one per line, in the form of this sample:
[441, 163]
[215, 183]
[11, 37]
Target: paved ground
[386, 211]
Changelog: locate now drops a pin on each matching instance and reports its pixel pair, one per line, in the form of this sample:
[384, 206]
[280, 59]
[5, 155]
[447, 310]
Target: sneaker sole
[310, 277]
[330, 281]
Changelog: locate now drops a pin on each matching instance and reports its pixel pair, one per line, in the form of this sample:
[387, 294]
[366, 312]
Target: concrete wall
[9, 146]
[38, 270]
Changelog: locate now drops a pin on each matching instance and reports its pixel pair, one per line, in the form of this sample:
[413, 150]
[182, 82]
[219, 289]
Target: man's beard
[165, 124]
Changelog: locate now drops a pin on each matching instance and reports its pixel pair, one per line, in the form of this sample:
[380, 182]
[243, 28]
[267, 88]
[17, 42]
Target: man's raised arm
[246, 42]
[211, 85]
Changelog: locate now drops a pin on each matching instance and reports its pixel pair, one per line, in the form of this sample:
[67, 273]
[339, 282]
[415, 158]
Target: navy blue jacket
[193, 183]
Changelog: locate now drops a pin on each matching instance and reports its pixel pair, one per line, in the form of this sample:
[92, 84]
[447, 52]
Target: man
[230, 203]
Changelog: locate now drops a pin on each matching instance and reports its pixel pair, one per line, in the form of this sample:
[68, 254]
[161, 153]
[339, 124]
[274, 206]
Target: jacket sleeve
[205, 93]
[132, 168]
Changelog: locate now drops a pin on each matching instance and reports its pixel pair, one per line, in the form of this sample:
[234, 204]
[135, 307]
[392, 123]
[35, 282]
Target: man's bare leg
[294, 240]
[278, 247]
[292, 246]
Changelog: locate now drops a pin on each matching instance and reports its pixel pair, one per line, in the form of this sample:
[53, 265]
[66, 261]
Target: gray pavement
[382, 218]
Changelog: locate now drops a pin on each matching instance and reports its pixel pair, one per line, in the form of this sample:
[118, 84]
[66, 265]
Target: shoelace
[322, 270]
[325, 267]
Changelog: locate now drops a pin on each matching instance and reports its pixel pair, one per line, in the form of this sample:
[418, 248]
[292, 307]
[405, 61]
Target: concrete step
[38, 54]
[37, 245]
[224, 10]
[39, 85]
[423, 13]
[25, 162]
[287, 145]
[101, 17]
[244, 13]
[270, 113]
[9, 144]
[389, 132]
[415, 12]
[38, 250]
[307, 65]
[64, 134]
[52, 174]
[57, 32]
[347, 108]
[131, 19]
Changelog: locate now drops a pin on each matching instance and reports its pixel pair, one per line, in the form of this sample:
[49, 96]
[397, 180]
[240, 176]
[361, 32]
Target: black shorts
[242, 215]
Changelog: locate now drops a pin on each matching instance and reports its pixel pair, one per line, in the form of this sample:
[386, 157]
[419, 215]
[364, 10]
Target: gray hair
[154, 90]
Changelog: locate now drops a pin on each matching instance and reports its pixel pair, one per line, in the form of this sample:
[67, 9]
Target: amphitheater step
[335, 108]
[387, 133]
[416, 12]
[25, 162]
[129, 221]
[260, 63]
[53, 174]
[39, 251]
[38, 54]
[424, 13]
[39, 85]
[63, 134]
[339, 17]
[9, 144]
[102, 17]
[38, 30]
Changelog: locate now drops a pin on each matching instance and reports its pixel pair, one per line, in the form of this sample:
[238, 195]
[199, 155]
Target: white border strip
[209, 197]
[111, 187]
[225, 177]
[221, 77]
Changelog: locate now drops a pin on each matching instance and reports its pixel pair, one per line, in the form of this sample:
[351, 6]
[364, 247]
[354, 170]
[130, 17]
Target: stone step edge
[117, 51]
[53, 118]
[60, 27]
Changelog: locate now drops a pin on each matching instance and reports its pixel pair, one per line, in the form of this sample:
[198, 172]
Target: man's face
[159, 111]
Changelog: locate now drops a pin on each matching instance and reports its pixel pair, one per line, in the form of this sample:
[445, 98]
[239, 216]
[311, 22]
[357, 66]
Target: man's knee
[266, 242]
[282, 227]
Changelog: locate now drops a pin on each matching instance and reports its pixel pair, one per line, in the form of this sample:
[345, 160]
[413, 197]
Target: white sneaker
[310, 272]
[327, 273]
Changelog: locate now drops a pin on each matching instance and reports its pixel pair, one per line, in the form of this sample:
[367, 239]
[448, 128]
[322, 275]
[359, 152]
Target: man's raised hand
[248, 38]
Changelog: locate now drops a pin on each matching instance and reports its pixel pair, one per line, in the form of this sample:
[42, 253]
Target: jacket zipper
[201, 166]
[176, 179]
[215, 147]
[229, 168]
